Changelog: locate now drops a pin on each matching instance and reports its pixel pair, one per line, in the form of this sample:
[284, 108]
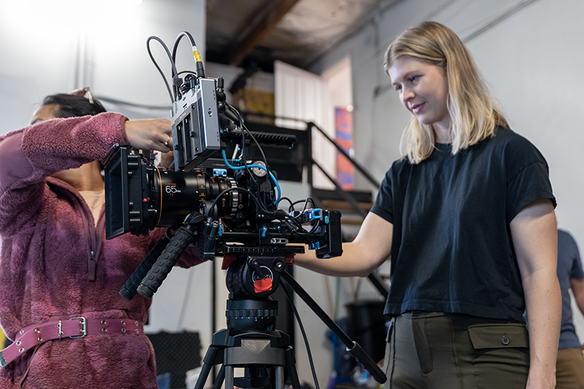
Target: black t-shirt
[452, 250]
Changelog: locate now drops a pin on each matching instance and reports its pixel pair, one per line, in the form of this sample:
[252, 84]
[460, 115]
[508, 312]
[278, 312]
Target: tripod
[251, 341]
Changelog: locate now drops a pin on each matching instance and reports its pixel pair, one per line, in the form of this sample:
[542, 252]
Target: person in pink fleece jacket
[55, 262]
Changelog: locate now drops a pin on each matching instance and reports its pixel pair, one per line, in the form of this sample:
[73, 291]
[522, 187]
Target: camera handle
[353, 347]
[183, 237]
[129, 290]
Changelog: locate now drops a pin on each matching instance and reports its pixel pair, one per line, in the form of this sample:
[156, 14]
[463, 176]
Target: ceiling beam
[260, 29]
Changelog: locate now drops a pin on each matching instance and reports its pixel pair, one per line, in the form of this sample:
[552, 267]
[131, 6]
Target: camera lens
[176, 194]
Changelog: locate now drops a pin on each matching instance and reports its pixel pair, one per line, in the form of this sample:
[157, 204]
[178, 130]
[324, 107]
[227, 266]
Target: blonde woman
[468, 219]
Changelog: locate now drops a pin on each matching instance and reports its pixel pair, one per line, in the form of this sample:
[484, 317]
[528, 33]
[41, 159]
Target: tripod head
[251, 280]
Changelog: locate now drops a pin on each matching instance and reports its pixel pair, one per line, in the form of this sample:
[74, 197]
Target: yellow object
[2, 339]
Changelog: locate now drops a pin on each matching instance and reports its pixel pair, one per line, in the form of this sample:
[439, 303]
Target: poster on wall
[344, 138]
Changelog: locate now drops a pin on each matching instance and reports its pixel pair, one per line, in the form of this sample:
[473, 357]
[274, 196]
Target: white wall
[529, 52]
[50, 47]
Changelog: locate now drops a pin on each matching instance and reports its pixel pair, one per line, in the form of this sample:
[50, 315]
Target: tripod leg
[291, 365]
[229, 372]
[219, 379]
[279, 377]
[208, 363]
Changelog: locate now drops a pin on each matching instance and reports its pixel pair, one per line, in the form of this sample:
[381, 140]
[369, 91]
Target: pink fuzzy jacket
[47, 234]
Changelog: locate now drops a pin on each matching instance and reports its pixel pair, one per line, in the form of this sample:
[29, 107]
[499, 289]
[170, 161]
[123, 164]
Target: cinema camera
[229, 208]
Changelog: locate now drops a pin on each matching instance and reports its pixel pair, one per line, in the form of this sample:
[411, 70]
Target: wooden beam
[260, 30]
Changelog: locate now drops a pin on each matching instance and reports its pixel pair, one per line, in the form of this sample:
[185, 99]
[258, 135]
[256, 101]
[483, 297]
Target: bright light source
[60, 15]
[349, 108]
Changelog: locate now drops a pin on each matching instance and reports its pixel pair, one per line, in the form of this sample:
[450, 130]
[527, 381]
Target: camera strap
[73, 328]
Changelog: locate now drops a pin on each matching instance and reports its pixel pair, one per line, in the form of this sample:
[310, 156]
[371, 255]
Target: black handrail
[350, 199]
[357, 165]
[309, 126]
[308, 157]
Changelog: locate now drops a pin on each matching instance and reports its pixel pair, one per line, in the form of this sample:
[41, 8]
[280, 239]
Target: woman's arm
[54, 145]
[368, 251]
[51, 146]
[534, 233]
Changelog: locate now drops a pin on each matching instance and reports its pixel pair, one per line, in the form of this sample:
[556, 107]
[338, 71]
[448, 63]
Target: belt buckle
[83, 331]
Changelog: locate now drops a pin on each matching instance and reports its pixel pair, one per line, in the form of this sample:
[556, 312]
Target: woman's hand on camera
[166, 159]
[150, 134]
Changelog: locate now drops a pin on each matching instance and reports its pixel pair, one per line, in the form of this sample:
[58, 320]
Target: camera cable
[158, 67]
[230, 166]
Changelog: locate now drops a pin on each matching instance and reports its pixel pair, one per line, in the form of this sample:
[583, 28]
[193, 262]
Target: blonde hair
[473, 112]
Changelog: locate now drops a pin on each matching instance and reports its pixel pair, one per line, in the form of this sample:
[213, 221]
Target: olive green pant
[429, 350]
[570, 369]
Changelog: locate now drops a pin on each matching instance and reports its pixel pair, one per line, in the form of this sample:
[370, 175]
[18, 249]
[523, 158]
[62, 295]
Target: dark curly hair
[72, 105]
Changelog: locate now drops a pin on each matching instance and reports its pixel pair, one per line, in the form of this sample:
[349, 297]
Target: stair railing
[310, 162]
[311, 126]
[353, 162]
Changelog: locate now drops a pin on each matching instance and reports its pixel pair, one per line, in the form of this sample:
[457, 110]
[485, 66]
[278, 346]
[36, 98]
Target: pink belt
[75, 327]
